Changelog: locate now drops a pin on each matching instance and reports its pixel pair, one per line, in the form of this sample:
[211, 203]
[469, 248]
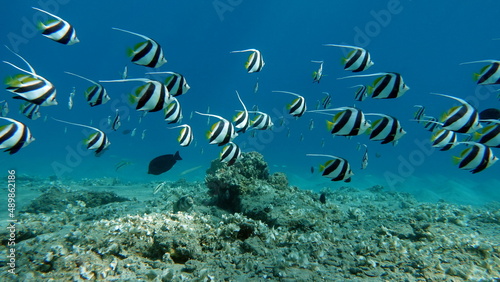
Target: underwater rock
[184, 204]
[57, 199]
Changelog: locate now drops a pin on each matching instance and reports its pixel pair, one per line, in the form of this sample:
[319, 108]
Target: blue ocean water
[423, 41]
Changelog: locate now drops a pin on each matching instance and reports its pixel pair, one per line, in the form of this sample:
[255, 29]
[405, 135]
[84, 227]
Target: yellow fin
[455, 160]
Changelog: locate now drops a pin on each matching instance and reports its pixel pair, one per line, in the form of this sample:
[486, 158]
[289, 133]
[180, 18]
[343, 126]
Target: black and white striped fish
[337, 169]
[14, 136]
[4, 110]
[262, 121]
[388, 85]
[490, 134]
[255, 61]
[222, 132]
[96, 94]
[176, 83]
[387, 129]
[230, 153]
[357, 60]
[241, 119]
[461, 119]
[31, 87]
[361, 93]
[475, 158]
[97, 141]
[116, 121]
[347, 122]
[489, 74]
[150, 97]
[317, 75]
[173, 111]
[444, 139]
[419, 114]
[430, 123]
[30, 110]
[185, 135]
[58, 30]
[298, 106]
[364, 160]
[326, 101]
[147, 53]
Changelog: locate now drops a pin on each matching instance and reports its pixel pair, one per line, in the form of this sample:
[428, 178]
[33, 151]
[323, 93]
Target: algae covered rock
[227, 184]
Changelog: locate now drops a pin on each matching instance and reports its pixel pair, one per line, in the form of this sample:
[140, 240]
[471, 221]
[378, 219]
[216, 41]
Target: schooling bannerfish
[30, 110]
[58, 30]
[387, 129]
[255, 61]
[163, 163]
[173, 111]
[475, 158]
[444, 139]
[97, 141]
[147, 53]
[298, 106]
[357, 60]
[31, 87]
[337, 169]
[230, 153]
[185, 135]
[461, 119]
[317, 75]
[176, 83]
[389, 85]
[222, 132]
[14, 136]
[489, 74]
[96, 94]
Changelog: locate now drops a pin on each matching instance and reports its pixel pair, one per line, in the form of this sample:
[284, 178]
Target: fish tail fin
[321, 168]
[329, 125]
[177, 156]
[475, 76]
[455, 160]
[130, 52]
[132, 99]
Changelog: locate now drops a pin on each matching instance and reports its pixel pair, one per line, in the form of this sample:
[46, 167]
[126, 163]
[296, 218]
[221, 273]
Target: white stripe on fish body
[387, 129]
[262, 121]
[444, 139]
[60, 31]
[298, 106]
[148, 53]
[230, 153]
[419, 114]
[96, 94]
[489, 74]
[221, 132]
[173, 111]
[116, 121]
[176, 83]
[337, 169]
[14, 136]
[476, 158]
[185, 135]
[357, 60]
[30, 110]
[242, 119]
[255, 61]
[97, 141]
[349, 122]
[489, 135]
[461, 119]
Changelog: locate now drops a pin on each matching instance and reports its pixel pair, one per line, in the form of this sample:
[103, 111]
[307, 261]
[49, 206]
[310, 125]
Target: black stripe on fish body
[343, 171]
[229, 150]
[156, 57]
[67, 36]
[392, 132]
[185, 136]
[99, 93]
[298, 106]
[471, 121]
[148, 94]
[492, 70]
[45, 96]
[94, 140]
[9, 134]
[351, 61]
[471, 156]
[380, 127]
[229, 134]
[33, 87]
[253, 62]
[493, 133]
[485, 159]
[143, 52]
[342, 121]
[456, 117]
[258, 121]
[103, 144]
[220, 129]
[445, 134]
[398, 84]
[242, 119]
[356, 127]
[174, 86]
[451, 142]
[363, 64]
[331, 167]
[382, 86]
[20, 143]
[54, 28]
[360, 94]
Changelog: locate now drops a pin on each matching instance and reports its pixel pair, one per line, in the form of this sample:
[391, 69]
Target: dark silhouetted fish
[163, 163]
[490, 113]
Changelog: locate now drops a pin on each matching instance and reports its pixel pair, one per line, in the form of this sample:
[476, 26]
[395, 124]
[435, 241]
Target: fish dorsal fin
[128, 79]
[239, 98]
[89, 80]
[31, 68]
[480, 61]
[278, 91]
[365, 75]
[343, 46]
[210, 115]
[451, 97]
[136, 34]
[49, 14]
[246, 50]
[77, 124]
